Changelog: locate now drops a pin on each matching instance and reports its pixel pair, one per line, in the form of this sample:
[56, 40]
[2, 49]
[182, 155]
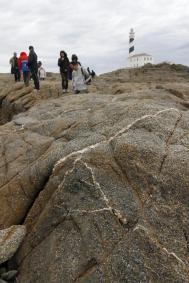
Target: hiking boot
[76, 91]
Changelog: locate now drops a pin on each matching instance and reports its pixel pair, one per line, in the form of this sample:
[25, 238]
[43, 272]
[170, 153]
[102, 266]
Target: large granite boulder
[115, 210]
[101, 183]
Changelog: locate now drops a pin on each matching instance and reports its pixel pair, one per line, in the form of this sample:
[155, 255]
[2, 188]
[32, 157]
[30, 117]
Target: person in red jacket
[23, 66]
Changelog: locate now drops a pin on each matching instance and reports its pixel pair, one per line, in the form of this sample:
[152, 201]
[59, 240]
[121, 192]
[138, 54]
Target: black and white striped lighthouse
[140, 59]
[131, 42]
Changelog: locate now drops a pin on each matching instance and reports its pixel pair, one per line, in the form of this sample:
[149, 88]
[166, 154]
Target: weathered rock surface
[101, 182]
[10, 240]
[17, 98]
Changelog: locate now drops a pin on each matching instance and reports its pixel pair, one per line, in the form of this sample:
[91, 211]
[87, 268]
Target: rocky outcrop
[14, 100]
[17, 98]
[101, 183]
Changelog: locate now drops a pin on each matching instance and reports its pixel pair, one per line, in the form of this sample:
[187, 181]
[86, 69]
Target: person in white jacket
[41, 71]
[80, 77]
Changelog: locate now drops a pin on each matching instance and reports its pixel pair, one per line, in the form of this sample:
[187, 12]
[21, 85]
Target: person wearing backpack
[14, 67]
[79, 78]
[63, 63]
[23, 66]
[32, 64]
[74, 59]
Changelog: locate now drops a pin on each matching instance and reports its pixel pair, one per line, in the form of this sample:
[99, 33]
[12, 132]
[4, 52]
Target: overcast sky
[97, 30]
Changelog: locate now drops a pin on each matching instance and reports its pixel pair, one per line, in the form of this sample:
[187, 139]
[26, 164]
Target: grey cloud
[96, 30]
[184, 47]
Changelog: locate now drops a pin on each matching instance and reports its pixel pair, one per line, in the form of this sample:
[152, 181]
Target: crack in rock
[78, 212]
[174, 255]
[157, 243]
[89, 269]
[129, 182]
[168, 141]
[69, 172]
[122, 220]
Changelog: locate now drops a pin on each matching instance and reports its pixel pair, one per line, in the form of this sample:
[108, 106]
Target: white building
[137, 60]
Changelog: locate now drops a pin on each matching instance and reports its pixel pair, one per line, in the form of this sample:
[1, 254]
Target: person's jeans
[35, 78]
[26, 77]
[17, 75]
[64, 80]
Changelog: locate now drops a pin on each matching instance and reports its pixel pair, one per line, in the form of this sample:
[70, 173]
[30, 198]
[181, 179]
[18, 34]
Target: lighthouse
[131, 42]
[137, 60]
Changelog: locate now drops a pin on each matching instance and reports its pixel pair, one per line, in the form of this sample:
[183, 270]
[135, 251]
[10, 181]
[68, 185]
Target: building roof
[139, 55]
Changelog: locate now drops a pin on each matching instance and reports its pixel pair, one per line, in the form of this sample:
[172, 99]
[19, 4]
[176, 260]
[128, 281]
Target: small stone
[9, 275]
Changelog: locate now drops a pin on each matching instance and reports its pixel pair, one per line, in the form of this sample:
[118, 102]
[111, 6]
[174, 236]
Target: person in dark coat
[32, 64]
[14, 67]
[63, 63]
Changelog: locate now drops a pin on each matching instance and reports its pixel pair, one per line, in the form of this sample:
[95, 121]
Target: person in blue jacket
[23, 66]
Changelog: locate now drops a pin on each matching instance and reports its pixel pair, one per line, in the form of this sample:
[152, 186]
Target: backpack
[91, 73]
[24, 66]
[86, 75]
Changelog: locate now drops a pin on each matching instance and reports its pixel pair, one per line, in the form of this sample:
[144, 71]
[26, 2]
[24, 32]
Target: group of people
[74, 71]
[29, 67]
